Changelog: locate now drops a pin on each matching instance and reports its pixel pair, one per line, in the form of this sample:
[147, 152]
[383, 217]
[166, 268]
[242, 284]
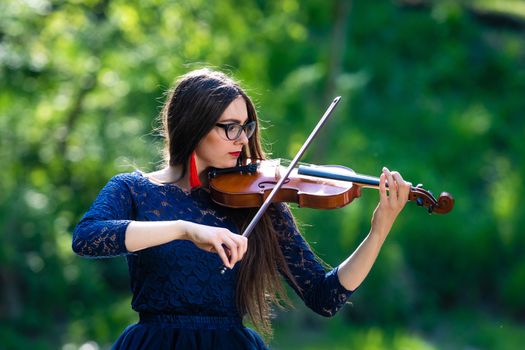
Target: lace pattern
[178, 277]
[320, 290]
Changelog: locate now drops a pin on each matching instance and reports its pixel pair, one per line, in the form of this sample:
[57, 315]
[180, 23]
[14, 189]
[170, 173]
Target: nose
[243, 140]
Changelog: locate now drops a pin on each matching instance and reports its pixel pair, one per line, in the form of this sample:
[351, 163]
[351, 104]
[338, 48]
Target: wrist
[381, 226]
[180, 230]
[378, 234]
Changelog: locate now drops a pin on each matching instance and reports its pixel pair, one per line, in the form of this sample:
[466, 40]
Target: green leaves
[432, 91]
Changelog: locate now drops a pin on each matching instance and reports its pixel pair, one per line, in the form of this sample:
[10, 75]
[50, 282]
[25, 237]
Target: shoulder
[124, 181]
[127, 178]
[167, 175]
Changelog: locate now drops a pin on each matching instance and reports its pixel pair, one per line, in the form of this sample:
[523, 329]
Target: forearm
[145, 234]
[356, 267]
[354, 270]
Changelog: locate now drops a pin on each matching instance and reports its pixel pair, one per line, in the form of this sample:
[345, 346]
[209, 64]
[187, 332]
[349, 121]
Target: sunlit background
[434, 89]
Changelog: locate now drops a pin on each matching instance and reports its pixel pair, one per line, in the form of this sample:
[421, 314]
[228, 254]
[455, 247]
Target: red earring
[194, 177]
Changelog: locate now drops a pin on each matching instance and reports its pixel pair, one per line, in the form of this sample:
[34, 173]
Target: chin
[225, 164]
[231, 164]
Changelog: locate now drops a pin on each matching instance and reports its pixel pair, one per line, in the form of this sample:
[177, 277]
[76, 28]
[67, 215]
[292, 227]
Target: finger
[241, 244]
[244, 245]
[227, 251]
[222, 254]
[392, 192]
[232, 247]
[396, 184]
[382, 188]
[240, 251]
[235, 254]
[403, 187]
[238, 247]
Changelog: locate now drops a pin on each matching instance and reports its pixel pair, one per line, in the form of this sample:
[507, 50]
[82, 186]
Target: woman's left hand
[391, 203]
[354, 270]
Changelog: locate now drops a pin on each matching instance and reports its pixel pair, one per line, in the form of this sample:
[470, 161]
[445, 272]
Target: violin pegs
[430, 209]
[419, 201]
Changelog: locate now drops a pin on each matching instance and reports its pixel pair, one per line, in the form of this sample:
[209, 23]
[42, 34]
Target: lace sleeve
[320, 290]
[101, 232]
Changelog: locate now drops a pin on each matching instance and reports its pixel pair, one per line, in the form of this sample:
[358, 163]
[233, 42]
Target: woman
[176, 239]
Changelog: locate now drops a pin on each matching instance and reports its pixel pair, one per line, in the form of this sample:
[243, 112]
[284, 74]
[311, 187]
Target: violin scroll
[424, 198]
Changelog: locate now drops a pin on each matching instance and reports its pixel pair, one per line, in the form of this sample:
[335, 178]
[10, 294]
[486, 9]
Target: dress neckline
[151, 181]
[161, 184]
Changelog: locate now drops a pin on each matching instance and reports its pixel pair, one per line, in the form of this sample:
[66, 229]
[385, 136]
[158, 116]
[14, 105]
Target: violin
[257, 185]
[309, 186]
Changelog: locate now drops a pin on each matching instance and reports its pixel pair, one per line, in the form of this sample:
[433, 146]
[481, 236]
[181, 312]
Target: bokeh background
[434, 89]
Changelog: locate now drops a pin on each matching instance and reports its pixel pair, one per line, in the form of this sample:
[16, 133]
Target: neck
[172, 174]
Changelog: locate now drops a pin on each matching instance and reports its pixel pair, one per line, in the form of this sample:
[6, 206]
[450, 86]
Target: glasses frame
[243, 128]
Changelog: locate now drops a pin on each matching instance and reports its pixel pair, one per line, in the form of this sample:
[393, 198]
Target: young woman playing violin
[176, 239]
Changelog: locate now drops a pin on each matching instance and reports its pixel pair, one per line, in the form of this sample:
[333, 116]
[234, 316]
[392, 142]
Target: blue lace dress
[182, 300]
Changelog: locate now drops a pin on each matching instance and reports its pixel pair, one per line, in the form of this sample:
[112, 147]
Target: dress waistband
[191, 321]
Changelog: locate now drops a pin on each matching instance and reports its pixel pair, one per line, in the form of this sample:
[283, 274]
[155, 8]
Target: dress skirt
[163, 332]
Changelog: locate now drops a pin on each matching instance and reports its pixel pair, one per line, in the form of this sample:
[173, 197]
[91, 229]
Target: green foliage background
[432, 89]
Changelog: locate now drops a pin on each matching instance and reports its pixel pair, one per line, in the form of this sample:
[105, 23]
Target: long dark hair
[191, 110]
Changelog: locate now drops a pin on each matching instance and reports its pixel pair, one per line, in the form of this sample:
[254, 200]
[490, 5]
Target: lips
[235, 154]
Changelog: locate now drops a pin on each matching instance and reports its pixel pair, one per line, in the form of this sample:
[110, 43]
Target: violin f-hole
[263, 184]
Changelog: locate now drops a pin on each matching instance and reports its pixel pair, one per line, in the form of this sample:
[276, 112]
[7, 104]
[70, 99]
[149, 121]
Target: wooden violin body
[318, 187]
[250, 189]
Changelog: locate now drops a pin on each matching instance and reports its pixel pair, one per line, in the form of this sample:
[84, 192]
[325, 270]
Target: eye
[234, 127]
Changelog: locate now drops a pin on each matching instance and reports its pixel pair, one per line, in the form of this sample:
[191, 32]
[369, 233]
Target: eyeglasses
[233, 130]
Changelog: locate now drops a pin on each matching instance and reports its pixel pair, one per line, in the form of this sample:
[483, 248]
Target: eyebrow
[233, 120]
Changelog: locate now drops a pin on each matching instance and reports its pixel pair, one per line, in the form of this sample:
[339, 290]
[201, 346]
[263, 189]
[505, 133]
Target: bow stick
[279, 184]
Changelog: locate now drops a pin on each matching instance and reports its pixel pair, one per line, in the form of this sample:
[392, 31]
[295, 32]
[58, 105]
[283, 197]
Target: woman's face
[215, 150]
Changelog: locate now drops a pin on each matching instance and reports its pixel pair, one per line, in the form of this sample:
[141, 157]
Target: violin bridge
[277, 165]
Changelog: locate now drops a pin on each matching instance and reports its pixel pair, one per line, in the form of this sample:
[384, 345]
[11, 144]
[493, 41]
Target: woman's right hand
[231, 247]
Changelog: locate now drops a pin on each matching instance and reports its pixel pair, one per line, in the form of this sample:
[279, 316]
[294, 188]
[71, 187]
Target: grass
[457, 330]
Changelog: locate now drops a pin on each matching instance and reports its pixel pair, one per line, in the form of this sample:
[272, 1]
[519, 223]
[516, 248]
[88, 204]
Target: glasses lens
[249, 129]
[234, 131]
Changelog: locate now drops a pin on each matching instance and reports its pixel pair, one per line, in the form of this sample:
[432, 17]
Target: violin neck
[422, 197]
[339, 173]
